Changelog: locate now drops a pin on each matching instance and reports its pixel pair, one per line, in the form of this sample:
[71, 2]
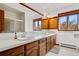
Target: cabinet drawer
[31, 45]
[32, 52]
[13, 52]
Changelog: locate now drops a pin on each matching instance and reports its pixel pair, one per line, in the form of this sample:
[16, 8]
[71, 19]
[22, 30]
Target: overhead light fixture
[45, 16]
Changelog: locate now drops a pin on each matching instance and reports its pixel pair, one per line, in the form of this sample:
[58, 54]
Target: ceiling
[47, 8]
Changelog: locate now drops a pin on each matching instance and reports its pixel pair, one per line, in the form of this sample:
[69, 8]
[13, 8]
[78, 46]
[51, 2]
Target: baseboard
[67, 46]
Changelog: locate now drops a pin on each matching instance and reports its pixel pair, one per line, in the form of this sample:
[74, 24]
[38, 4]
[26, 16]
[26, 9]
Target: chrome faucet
[15, 35]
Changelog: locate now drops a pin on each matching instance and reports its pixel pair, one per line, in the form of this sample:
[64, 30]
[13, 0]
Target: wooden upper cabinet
[45, 24]
[50, 23]
[53, 23]
[1, 14]
[1, 20]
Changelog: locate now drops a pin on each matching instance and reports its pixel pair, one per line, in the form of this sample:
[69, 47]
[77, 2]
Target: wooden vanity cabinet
[18, 51]
[31, 49]
[35, 48]
[42, 47]
[48, 45]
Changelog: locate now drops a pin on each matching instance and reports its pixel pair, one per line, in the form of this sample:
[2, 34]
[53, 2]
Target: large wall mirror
[11, 20]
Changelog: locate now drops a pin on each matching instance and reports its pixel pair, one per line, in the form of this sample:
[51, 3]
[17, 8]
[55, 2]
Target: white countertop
[11, 43]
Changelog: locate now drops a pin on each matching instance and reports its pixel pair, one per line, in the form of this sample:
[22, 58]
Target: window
[72, 22]
[63, 23]
[37, 24]
[69, 21]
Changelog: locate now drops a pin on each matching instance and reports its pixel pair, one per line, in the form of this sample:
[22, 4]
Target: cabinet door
[31, 49]
[31, 45]
[45, 24]
[42, 47]
[32, 52]
[1, 24]
[48, 41]
[53, 23]
[52, 41]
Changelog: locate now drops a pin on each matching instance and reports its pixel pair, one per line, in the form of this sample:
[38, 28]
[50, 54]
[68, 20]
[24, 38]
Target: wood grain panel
[13, 52]
[45, 24]
[48, 45]
[1, 20]
[31, 45]
[53, 23]
[42, 47]
[32, 52]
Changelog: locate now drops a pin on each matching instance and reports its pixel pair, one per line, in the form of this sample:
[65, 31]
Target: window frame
[73, 12]
[59, 26]
[77, 23]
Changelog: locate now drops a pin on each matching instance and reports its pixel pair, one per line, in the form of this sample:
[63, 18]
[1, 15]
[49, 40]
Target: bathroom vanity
[35, 46]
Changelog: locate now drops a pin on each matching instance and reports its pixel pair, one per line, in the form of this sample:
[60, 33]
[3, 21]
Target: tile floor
[63, 51]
